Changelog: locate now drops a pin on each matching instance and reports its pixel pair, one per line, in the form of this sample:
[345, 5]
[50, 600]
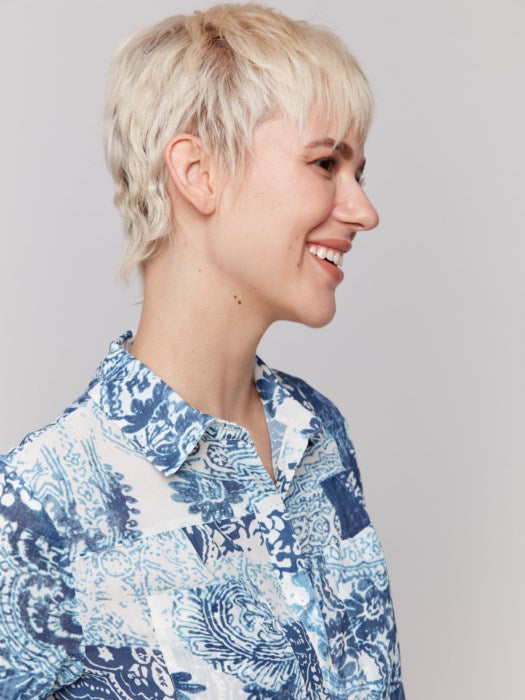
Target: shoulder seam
[29, 437]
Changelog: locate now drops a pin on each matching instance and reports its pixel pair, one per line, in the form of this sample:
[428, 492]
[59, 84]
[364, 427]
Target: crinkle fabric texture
[146, 553]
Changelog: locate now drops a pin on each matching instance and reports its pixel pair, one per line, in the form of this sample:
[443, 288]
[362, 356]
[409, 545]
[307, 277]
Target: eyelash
[334, 163]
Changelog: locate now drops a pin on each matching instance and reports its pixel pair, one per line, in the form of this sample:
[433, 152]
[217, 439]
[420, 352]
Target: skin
[238, 261]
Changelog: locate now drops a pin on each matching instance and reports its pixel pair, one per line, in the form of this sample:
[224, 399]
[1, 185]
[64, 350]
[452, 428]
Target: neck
[202, 344]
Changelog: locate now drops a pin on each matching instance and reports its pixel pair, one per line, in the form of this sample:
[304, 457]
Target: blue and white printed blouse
[146, 552]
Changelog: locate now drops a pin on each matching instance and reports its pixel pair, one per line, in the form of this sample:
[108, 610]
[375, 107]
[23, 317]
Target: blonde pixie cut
[217, 74]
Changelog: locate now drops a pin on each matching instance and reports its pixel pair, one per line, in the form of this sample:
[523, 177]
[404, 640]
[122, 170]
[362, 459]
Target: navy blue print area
[351, 514]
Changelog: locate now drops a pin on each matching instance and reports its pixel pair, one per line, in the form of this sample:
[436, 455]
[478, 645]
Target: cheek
[293, 210]
[276, 215]
[309, 200]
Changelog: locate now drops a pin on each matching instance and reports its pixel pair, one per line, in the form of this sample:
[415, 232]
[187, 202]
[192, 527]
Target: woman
[193, 525]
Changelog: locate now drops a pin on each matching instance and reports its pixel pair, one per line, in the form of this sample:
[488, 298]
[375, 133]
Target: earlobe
[189, 167]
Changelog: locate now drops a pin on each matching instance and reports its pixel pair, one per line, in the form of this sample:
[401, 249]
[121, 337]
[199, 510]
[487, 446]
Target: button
[301, 596]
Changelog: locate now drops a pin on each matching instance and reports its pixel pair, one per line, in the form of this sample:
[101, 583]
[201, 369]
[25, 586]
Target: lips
[336, 243]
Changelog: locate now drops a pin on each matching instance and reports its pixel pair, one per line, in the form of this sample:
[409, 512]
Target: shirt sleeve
[344, 489]
[341, 430]
[40, 638]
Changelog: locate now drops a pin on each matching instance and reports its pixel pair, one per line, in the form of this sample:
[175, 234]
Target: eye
[329, 163]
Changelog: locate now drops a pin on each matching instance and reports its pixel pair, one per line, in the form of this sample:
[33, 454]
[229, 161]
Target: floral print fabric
[146, 553]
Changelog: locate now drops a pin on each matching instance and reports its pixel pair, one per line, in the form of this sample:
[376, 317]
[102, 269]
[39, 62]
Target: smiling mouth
[329, 266]
[330, 255]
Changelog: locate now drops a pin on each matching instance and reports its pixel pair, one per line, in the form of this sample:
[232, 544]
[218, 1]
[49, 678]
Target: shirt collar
[164, 427]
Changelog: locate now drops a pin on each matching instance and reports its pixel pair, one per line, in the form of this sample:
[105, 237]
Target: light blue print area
[85, 494]
[112, 586]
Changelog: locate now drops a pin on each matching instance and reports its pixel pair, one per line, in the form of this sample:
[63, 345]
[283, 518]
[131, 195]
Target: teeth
[334, 256]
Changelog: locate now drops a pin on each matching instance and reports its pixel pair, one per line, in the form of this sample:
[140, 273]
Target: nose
[355, 208]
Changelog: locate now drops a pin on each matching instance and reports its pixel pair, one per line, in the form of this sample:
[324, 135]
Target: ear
[190, 170]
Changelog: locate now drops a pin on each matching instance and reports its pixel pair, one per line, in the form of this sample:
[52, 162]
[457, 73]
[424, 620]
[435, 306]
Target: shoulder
[34, 443]
[41, 458]
[314, 400]
[77, 466]
[335, 424]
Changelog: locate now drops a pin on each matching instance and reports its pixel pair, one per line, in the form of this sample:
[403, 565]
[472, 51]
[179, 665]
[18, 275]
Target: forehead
[279, 133]
[320, 133]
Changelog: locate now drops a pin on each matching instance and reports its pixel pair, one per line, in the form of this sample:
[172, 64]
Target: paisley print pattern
[32, 573]
[146, 553]
[129, 673]
[208, 495]
[227, 625]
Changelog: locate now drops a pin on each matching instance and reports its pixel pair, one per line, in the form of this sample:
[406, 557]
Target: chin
[318, 320]
[314, 315]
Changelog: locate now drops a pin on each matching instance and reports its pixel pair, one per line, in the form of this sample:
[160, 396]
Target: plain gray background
[425, 353]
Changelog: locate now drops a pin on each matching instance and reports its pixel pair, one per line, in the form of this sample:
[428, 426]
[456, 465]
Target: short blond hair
[217, 74]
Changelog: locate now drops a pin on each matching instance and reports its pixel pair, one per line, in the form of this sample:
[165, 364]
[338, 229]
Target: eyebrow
[343, 148]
